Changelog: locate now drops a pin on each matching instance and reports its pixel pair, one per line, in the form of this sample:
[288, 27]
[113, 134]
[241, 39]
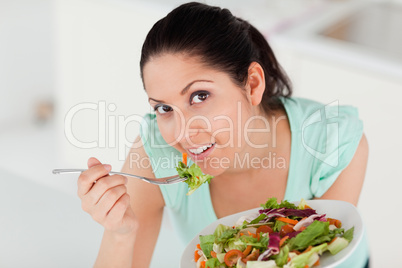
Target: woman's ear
[256, 83]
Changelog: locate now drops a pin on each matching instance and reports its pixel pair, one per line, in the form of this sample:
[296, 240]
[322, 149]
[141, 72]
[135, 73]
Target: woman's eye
[199, 97]
[162, 109]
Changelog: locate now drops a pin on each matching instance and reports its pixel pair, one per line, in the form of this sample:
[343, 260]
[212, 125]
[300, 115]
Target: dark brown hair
[221, 41]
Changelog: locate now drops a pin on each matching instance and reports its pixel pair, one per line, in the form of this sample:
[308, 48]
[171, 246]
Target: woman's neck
[267, 146]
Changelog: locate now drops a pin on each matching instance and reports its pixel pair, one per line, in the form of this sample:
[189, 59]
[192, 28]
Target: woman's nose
[183, 131]
[190, 127]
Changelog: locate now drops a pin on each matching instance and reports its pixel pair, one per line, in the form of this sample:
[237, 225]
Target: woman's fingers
[88, 177]
[93, 162]
[101, 186]
[117, 212]
[106, 202]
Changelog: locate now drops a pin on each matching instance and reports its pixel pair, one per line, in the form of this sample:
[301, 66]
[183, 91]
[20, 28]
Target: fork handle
[76, 170]
[66, 171]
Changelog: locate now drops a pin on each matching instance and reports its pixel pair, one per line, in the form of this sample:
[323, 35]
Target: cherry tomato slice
[232, 256]
[264, 229]
[288, 228]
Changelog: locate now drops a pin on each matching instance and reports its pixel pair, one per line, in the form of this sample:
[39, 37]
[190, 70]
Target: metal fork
[165, 180]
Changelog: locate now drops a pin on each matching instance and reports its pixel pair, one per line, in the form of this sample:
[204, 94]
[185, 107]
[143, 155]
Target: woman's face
[199, 110]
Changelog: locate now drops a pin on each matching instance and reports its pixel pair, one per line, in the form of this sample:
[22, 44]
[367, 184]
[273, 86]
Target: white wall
[329, 70]
[98, 51]
[26, 67]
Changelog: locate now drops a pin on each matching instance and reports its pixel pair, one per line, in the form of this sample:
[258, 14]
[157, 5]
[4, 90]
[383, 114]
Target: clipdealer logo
[111, 128]
[328, 152]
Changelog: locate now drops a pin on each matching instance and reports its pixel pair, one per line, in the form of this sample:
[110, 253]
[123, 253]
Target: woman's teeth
[201, 149]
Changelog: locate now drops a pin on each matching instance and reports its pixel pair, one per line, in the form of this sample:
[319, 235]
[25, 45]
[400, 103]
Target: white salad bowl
[343, 211]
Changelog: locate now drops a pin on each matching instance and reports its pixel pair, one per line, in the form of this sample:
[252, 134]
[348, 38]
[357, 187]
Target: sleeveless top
[324, 139]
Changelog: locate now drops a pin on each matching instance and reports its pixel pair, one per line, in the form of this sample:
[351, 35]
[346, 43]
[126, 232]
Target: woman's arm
[134, 249]
[348, 185]
[147, 203]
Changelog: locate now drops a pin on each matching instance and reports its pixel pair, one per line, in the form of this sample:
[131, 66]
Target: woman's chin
[214, 171]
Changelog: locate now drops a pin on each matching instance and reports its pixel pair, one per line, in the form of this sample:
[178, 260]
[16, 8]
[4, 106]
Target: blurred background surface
[70, 89]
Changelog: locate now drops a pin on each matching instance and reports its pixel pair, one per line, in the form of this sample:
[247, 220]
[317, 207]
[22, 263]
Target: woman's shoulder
[306, 113]
[328, 132]
[325, 136]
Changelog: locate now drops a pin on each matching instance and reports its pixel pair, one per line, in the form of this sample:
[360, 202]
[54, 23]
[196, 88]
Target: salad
[279, 235]
[194, 175]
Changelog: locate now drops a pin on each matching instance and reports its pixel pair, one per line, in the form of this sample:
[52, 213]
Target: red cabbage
[293, 234]
[274, 240]
[265, 255]
[309, 220]
[286, 212]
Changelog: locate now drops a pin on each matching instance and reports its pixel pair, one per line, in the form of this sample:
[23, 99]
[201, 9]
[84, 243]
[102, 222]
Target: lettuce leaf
[278, 226]
[282, 258]
[258, 219]
[226, 235]
[312, 232]
[337, 245]
[212, 263]
[272, 203]
[207, 244]
[220, 229]
[261, 244]
[348, 235]
[327, 238]
[303, 259]
[235, 243]
[194, 175]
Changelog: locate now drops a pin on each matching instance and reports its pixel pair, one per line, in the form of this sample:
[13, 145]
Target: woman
[220, 96]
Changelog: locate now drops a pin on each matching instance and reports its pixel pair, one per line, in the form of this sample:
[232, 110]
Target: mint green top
[324, 140]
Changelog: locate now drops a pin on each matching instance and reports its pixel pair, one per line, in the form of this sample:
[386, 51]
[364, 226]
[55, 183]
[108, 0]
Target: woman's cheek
[168, 133]
[226, 131]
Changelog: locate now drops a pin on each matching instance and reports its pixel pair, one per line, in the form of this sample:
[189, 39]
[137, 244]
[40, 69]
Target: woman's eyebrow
[183, 91]
[186, 88]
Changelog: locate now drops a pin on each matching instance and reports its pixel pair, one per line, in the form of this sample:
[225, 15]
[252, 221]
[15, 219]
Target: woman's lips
[202, 155]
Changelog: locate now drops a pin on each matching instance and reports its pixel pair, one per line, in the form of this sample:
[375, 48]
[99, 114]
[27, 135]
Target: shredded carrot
[337, 223]
[332, 240]
[241, 234]
[307, 206]
[185, 158]
[213, 254]
[308, 249]
[250, 234]
[317, 263]
[196, 255]
[247, 250]
[283, 240]
[289, 259]
[287, 220]
[306, 266]
[302, 228]
[198, 246]
[203, 264]
[296, 251]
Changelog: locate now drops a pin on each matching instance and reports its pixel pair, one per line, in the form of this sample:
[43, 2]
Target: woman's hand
[105, 198]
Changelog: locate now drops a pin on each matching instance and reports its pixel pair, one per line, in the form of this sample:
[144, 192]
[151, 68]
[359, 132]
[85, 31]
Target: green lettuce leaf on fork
[194, 175]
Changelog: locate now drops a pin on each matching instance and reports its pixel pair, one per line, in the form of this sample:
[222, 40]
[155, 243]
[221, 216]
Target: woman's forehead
[176, 71]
